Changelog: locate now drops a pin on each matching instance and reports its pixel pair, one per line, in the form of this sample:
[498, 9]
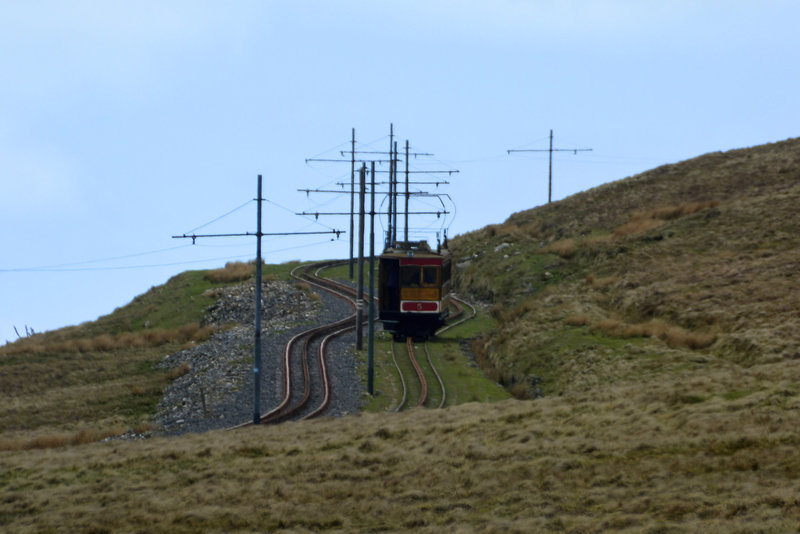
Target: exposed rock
[217, 389]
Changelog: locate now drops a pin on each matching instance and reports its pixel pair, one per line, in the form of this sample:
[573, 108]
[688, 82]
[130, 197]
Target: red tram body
[414, 289]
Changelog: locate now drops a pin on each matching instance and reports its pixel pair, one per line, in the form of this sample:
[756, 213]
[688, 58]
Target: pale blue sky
[123, 123]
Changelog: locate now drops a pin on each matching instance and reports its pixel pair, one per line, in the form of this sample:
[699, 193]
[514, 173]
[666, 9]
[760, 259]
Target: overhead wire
[86, 262]
[70, 268]
[234, 210]
[125, 267]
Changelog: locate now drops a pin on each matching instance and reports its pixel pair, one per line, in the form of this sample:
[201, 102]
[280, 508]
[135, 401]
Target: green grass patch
[737, 394]
[464, 380]
[551, 356]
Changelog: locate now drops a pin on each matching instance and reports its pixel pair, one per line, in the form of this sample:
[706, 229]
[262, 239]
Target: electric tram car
[414, 289]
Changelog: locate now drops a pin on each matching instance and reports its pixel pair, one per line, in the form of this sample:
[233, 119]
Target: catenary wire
[234, 210]
[85, 262]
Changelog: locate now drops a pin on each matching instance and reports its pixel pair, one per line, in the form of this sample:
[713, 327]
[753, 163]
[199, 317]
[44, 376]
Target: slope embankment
[697, 261]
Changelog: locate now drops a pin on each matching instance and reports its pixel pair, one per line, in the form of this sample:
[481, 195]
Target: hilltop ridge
[701, 255]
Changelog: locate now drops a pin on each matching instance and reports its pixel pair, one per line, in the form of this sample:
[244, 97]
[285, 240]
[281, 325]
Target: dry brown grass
[599, 282]
[234, 271]
[500, 230]
[619, 459]
[638, 226]
[179, 371]
[564, 248]
[672, 335]
[644, 221]
[53, 441]
[146, 427]
[578, 320]
[305, 287]
[144, 338]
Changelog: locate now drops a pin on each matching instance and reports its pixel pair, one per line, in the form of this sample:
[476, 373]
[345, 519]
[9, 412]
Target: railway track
[306, 389]
[423, 396]
[306, 385]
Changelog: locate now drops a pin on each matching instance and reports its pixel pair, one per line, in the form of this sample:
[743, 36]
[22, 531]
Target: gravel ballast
[217, 389]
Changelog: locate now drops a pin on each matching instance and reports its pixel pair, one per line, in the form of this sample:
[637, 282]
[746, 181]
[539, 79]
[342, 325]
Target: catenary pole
[257, 342]
[371, 327]
[394, 215]
[389, 242]
[550, 171]
[550, 165]
[352, 195]
[360, 297]
[257, 335]
[405, 234]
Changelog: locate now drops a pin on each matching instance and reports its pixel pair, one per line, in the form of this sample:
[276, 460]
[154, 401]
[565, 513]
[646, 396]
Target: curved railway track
[305, 381]
[306, 384]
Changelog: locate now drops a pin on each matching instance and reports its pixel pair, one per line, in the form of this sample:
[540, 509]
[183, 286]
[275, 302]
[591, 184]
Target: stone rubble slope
[217, 389]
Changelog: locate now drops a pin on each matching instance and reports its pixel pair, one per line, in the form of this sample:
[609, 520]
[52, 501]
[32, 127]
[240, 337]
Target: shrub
[232, 272]
[564, 248]
[608, 326]
[53, 441]
[577, 320]
[599, 282]
[105, 342]
[143, 428]
[637, 226]
[520, 391]
[674, 336]
[179, 371]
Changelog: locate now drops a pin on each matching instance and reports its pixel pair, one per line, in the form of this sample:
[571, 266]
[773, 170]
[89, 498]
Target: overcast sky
[124, 123]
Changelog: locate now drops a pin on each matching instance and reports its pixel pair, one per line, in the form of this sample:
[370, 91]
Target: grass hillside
[654, 320]
[693, 266]
[82, 383]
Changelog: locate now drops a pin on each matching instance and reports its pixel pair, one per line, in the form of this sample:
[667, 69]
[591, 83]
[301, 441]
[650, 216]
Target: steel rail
[283, 410]
[438, 376]
[402, 380]
[463, 320]
[423, 384]
[338, 327]
[326, 396]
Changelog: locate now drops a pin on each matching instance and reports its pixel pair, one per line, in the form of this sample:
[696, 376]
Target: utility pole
[405, 235]
[352, 195]
[389, 241]
[257, 336]
[257, 340]
[371, 315]
[391, 236]
[394, 204]
[393, 194]
[360, 296]
[550, 166]
[352, 162]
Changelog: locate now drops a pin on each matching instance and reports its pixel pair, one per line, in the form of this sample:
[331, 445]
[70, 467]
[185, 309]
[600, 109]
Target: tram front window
[429, 276]
[409, 276]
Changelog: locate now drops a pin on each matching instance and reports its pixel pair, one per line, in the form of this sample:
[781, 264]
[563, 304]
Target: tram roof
[413, 249]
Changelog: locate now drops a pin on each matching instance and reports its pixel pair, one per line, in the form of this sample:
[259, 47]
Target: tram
[414, 289]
